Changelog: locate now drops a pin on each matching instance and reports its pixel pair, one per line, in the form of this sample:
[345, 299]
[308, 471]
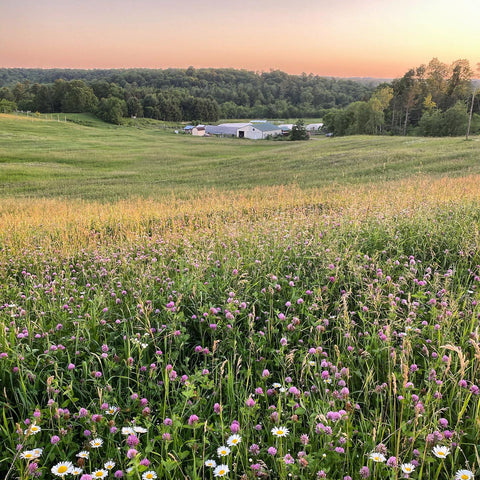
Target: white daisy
[440, 451]
[276, 385]
[112, 410]
[28, 455]
[77, 471]
[280, 431]
[96, 442]
[128, 431]
[99, 473]
[109, 465]
[233, 440]
[407, 467]
[377, 457]
[37, 452]
[210, 463]
[140, 430]
[463, 475]
[150, 475]
[61, 469]
[312, 363]
[83, 454]
[221, 471]
[223, 451]
[32, 430]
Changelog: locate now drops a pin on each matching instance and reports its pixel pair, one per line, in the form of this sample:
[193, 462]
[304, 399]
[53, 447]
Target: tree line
[430, 100]
[177, 94]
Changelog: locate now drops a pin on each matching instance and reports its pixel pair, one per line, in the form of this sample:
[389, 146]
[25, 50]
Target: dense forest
[436, 99]
[177, 94]
[430, 100]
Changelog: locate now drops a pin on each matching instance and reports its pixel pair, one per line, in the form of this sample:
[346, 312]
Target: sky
[342, 38]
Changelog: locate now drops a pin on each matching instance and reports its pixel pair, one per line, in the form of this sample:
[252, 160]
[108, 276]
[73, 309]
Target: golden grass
[73, 224]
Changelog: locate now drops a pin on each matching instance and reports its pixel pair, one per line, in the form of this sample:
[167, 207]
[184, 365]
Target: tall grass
[326, 328]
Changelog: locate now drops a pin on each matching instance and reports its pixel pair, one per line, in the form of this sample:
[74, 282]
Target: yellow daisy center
[221, 472]
[234, 441]
[464, 476]
[28, 455]
[280, 432]
[99, 474]
[441, 453]
[408, 469]
[149, 475]
[62, 469]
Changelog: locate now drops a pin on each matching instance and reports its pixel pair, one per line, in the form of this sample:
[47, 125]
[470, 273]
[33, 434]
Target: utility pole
[471, 112]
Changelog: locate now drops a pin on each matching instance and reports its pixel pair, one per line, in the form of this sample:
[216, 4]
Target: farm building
[259, 131]
[225, 129]
[188, 129]
[199, 130]
[314, 127]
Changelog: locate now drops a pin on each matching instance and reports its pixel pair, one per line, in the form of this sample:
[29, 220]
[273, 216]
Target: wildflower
[55, 439]
[272, 451]
[392, 462]
[37, 451]
[109, 465]
[100, 473]
[96, 442]
[192, 420]
[280, 431]
[128, 431]
[83, 454]
[440, 451]
[112, 410]
[132, 453]
[221, 471]
[149, 475]
[32, 430]
[28, 455]
[76, 471]
[365, 472]
[234, 440]
[377, 457]
[139, 429]
[288, 459]
[223, 451]
[61, 469]
[210, 463]
[407, 467]
[463, 475]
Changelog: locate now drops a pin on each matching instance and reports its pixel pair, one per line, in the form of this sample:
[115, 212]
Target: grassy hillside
[93, 160]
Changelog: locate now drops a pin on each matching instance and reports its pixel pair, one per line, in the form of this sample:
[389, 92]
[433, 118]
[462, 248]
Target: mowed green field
[103, 162]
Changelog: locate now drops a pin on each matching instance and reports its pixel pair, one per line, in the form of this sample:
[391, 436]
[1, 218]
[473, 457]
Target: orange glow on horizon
[363, 38]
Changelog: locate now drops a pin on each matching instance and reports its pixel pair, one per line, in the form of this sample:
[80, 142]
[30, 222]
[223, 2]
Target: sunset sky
[344, 38]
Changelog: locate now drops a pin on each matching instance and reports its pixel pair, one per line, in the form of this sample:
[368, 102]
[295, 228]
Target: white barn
[259, 131]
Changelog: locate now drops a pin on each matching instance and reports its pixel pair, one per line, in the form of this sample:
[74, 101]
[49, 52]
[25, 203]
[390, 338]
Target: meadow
[318, 322]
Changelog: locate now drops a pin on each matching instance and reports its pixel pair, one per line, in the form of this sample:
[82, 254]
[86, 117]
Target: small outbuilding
[314, 127]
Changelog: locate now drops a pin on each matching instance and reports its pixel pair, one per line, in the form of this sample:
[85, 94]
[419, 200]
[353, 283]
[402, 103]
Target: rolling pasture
[187, 308]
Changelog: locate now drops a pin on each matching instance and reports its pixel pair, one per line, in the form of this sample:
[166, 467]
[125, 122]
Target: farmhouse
[259, 131]
[199, 130]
